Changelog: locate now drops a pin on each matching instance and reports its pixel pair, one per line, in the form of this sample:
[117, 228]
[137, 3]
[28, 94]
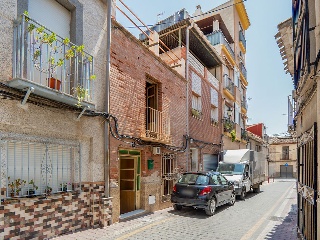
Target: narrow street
[270, 214]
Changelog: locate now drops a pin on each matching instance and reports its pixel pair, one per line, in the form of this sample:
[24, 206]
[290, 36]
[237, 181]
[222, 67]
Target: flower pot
[54, 83]
[31, 192]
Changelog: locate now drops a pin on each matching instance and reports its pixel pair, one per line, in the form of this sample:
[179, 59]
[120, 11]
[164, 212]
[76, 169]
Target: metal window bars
[34, 168]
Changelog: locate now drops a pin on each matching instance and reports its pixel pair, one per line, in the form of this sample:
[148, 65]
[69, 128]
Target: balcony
[244, 104]
[158, 126]
[51, 66]
[218, 37]
[243, 70]
[244, 135]
[228, 125]
[228, 87]
[242, 41]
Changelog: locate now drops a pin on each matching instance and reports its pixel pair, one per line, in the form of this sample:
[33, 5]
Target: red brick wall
[131, 62]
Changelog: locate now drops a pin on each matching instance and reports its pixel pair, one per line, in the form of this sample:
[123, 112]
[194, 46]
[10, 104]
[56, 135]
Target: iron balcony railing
[228, 125]
[244, 103]
[42, 57]
[243, 70]
[228, 84]
[242, 38]
[244, 134]
[217, 37]
[158, 125]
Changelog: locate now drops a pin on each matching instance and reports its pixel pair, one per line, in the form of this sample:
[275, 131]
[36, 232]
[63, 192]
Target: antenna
[158, 16]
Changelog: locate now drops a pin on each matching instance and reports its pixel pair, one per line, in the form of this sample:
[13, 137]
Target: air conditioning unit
[156, 150]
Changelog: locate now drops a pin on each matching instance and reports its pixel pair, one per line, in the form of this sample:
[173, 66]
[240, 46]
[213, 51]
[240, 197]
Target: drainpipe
[187, 95]
[107, 106]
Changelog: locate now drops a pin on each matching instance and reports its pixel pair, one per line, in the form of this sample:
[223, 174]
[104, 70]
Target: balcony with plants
[217, 37]
[50, 65]
[229, 127]
[244, 135]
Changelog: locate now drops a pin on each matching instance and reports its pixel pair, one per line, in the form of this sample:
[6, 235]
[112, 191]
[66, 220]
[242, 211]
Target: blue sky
[269, 86]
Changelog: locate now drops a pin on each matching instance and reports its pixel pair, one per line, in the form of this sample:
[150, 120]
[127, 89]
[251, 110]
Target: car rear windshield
[193, 178]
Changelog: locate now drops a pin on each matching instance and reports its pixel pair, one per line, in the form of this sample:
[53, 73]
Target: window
[196, 102]
[285, 152]
[38, 167]
[215, 179]
[258, 148]
[196, 92]
[169, 172]
[223, 180]
[214, 113]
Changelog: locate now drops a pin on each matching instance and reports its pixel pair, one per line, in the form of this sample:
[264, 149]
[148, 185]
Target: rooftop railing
[217, 37]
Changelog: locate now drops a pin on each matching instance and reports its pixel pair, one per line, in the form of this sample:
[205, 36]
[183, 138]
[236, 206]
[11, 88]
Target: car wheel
[243, 194]
[211, 208]
[232, 199]
[256, 190]
[177, 207]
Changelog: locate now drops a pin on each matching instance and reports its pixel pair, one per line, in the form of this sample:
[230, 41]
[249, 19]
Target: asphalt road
[270, 214]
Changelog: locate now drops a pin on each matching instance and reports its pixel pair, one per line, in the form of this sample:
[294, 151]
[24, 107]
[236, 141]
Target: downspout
[107, 107]
[187, 96]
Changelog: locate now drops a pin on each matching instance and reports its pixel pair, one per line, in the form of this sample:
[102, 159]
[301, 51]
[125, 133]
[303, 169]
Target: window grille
[169, 172]
[38, 168]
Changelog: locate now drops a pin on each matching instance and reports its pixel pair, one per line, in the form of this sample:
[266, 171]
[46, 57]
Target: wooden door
[129, 184]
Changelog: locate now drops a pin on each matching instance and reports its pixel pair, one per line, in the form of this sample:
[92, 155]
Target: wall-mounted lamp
[191, 140]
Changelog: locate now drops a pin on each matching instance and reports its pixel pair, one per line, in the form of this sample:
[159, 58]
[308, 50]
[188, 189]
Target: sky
[269, 85]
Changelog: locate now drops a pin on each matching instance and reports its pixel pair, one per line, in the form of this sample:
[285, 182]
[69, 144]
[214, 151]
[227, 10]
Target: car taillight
[174, 188]
[205, 191]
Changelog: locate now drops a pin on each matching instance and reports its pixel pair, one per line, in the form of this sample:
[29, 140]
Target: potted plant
[48, 190]
[50, 52]
[64, 186]
[214, 122]
[16, 186]
[32, 188]
[233, 135]
[196, 113]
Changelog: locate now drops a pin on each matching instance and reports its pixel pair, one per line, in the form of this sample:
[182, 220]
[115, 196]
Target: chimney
[198, 11]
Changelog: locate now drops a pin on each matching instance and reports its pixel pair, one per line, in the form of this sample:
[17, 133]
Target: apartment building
[225, 27]
[51, 147]
[301, 56]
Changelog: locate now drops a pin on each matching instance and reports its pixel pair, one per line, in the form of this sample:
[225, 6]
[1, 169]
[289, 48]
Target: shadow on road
[251, 195]
[287, 227]
[197, 213]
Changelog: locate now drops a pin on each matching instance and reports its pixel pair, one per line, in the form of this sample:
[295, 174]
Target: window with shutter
[33, 168]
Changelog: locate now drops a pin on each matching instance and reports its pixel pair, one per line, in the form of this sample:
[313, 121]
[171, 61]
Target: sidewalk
[283, 225]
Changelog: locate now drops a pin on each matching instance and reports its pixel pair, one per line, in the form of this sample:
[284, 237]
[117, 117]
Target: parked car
[202, 190]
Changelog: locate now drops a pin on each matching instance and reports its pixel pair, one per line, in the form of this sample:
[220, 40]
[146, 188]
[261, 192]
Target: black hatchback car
[203, 190]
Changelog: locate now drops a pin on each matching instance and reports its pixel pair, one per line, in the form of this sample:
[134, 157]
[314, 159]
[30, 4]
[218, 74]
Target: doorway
[129, 183]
